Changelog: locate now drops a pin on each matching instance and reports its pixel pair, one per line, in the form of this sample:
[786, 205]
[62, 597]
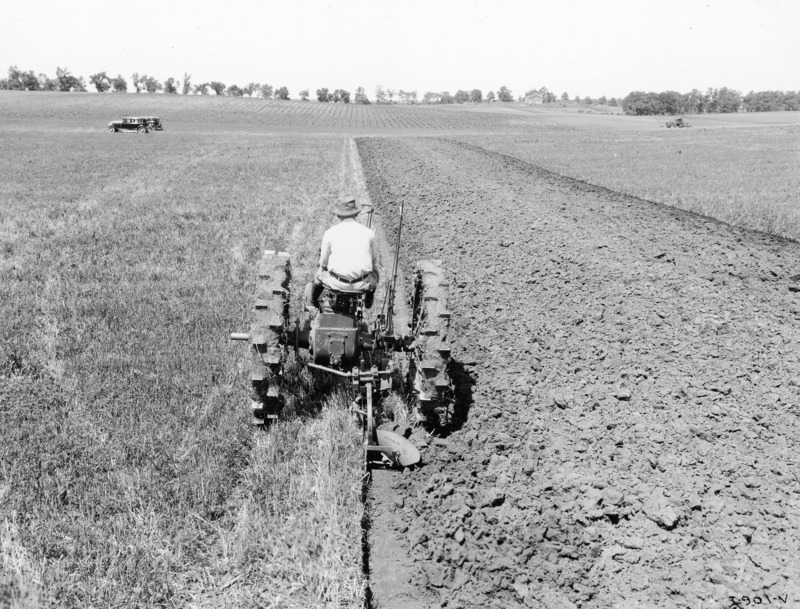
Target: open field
[630, 434]
[746, 176]
[740, 168]
[209, 112]
[130, 476]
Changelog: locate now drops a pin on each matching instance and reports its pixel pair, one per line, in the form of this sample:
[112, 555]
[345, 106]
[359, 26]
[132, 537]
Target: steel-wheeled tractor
[679, 123]
[362, 350]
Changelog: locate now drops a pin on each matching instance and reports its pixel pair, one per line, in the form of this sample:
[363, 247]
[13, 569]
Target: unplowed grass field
[129, 475]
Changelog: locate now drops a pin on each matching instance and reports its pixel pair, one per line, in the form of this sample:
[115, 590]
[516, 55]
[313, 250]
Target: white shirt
[348, 249]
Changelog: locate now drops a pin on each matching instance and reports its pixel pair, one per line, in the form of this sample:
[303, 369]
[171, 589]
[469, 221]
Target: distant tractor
[678, 122]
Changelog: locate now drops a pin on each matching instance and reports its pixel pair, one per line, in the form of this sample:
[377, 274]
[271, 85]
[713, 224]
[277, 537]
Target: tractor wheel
[141, 129]
[268, 335]
[430, 326]
[112, 130]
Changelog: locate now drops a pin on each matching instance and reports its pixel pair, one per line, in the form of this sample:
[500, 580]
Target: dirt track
[631, 438]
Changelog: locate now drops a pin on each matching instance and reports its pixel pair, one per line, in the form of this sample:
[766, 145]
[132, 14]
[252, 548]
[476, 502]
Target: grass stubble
[129, 476]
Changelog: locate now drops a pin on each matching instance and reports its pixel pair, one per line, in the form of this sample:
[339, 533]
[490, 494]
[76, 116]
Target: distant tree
[12, 83]
[391, 93]
[726, 100]
[445, 97]
[46, 83]
[504, 95]
[323, 95]
[303, 95]
[694, 102]
[587, 100]
[765, 101]
[602, 100]
[282, 93]
[612, 102]
[490, 97]
[150, 84]
[577, 99]
[340, 95]
[266, 91]
[30, 81]
[135, 79]
[565, 96]
[251, 88]
[380, 95]
[201, 89]
[68, 82]
[169, 86]
[22, 81]
[101, 82]
[640, 103]
[187, 83]
[461, 97]
[234, 91]
[361, 97]
[476, 96]
[217, 87]
[407, 97]
[792, 100]
[670, 102]
[120, 84]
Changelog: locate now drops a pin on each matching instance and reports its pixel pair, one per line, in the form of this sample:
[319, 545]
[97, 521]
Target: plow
[362, 353]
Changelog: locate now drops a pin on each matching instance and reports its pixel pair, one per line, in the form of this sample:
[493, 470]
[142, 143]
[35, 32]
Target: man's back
[348, 249]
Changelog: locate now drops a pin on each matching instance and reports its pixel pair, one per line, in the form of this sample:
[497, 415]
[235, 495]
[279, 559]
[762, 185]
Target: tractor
[360, 350]
[678, 122]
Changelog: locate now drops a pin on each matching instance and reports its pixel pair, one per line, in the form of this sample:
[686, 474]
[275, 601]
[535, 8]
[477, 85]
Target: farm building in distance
[534, 98]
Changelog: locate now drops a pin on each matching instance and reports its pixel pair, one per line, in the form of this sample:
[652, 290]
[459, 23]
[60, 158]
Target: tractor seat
[339, 301]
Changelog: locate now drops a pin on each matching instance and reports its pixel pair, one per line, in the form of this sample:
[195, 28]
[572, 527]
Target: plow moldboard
[405, 453]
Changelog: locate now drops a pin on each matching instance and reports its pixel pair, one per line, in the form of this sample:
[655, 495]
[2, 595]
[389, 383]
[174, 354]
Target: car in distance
[142, 124]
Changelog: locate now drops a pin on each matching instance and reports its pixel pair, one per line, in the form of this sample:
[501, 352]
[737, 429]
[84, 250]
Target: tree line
[722, 100]
[103, 82]
[21, 80]
[712, 101]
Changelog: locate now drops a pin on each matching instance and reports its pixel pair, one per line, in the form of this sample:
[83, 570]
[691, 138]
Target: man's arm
[374, 247]
[325, 250]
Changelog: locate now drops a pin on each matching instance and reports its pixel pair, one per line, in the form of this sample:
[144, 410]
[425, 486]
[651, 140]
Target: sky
[581, 47]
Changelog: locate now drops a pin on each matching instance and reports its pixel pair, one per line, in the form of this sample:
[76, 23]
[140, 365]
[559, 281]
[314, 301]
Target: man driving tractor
[348, 260]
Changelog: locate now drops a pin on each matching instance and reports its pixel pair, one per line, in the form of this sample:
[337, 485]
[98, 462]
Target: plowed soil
[626, 428]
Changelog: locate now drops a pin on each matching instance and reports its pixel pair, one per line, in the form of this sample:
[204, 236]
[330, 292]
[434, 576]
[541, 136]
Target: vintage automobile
[142, 124]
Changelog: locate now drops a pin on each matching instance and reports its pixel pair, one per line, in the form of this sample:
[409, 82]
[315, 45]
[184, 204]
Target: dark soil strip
[633, 434]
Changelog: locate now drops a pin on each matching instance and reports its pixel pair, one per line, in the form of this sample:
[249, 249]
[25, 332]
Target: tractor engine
[339, 339]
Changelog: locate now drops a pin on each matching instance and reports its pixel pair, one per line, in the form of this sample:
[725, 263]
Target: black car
[142, 124]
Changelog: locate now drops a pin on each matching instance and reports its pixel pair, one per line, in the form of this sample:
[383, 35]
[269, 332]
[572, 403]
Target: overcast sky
[583, 47]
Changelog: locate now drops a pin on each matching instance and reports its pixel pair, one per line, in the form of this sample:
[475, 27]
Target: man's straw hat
[347, 207]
